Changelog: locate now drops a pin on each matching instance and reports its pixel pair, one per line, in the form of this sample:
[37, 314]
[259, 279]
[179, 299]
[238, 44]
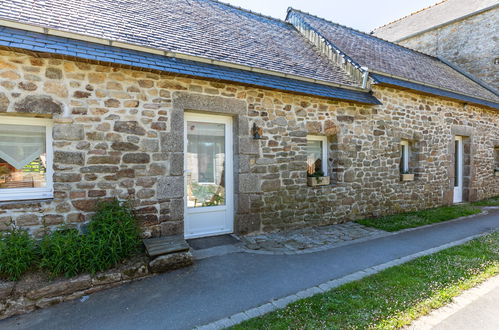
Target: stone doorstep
[168, 253]
[159, 246]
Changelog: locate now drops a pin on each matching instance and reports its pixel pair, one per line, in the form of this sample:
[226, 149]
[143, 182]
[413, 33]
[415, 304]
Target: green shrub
[112, 235]
[62, 252]
[17, 253]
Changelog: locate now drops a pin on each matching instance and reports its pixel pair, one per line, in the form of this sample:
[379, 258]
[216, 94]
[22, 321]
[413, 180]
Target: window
[496, 154]
[25, 158]
[317, 155]
[404, 156]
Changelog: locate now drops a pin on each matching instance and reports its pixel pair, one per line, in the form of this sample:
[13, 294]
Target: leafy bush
[17, 253]
[111, 236]
[62, 253]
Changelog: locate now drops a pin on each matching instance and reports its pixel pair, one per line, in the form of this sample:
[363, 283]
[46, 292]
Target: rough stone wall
[365, 159]
[119, 133]
[471, 43]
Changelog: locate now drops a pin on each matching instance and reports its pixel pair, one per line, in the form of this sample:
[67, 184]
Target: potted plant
[406, 176]
[317, 179]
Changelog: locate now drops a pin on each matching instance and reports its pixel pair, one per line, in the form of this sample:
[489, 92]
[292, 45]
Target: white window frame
[17, 194]
[405, 155]
[323, 139]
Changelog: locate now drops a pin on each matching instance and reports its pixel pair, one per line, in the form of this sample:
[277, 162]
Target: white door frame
[226, 210]
[458, 169]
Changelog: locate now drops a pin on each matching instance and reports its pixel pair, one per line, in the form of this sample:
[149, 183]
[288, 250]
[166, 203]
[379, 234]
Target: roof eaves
[101, 53]
[383, 78]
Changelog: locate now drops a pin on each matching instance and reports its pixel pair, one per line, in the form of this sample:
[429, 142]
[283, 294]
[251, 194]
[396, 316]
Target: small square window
[404, 156]
[316, 155]
[25, 158]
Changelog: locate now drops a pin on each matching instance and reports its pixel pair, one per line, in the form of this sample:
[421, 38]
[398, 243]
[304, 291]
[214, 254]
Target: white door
[208, 173]
[458, 169]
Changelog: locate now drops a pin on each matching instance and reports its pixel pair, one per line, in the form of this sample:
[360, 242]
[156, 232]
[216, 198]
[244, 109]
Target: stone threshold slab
[165, 245]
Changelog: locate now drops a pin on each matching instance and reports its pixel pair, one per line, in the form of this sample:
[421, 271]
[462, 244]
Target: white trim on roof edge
[201, 59]
[330, 50]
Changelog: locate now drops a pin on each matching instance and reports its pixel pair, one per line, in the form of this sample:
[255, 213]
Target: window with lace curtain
[25, 158]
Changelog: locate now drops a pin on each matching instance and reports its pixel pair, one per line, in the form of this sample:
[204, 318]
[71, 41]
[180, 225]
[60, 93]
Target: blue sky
[362, 15]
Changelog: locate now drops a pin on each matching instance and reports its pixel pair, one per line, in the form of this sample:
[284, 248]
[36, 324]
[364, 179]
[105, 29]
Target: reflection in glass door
[208, 182]
[205, 164]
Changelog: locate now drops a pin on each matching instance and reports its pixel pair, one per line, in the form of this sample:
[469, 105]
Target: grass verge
[394, 297]
[419, 218]
[494, 201]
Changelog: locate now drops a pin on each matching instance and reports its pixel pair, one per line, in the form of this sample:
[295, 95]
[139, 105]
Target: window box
[313, 181]
[407, 177]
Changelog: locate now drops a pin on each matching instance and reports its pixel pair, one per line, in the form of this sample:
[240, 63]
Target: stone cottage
[213, 119]
[463, 32]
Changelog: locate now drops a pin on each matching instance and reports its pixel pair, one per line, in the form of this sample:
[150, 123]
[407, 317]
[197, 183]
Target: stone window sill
[26, 201]
[406, 177]
[318, 181]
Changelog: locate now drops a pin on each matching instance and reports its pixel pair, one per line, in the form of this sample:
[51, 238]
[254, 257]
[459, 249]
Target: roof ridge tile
[249, 11]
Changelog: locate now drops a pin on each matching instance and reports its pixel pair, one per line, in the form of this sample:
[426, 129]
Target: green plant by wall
[17, 253]
[62, 252]
[111, 236]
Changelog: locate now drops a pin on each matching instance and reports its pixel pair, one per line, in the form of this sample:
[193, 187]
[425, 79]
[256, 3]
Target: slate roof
[196, 27]
[430, 17]
[71, 48]
[392, 59]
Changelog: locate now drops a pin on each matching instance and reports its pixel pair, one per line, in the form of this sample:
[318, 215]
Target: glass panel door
[208, 175]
